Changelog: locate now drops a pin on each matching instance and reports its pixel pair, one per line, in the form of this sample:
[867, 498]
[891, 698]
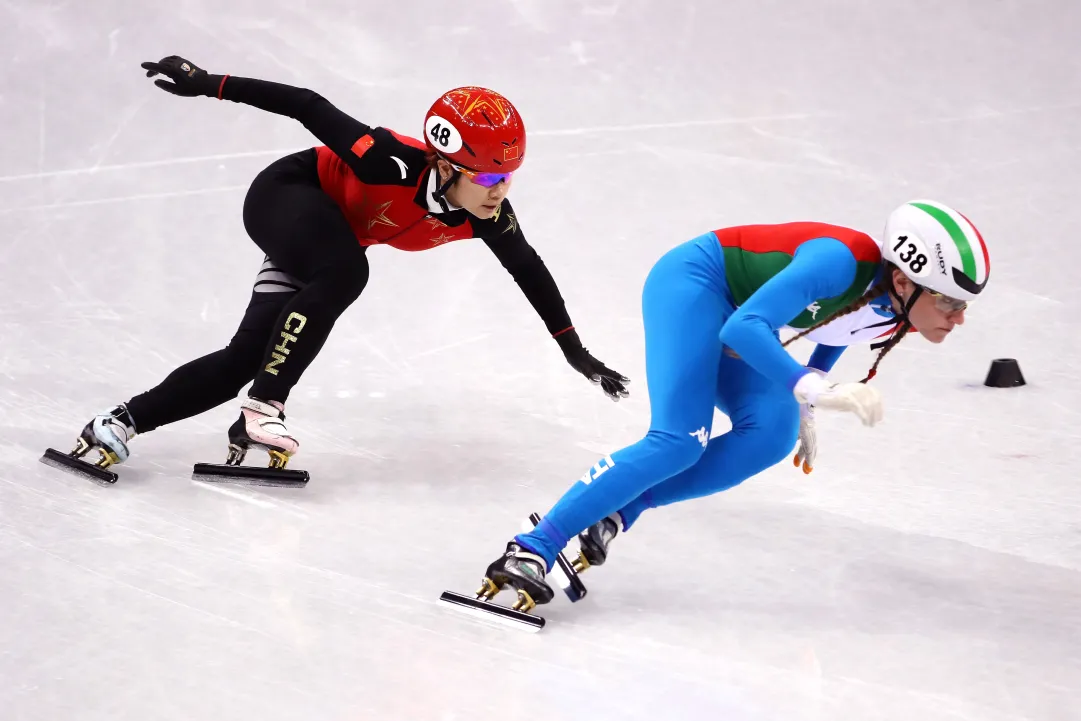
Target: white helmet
[937, 248]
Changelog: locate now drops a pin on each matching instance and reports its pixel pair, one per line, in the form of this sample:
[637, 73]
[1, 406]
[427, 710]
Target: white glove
[859, 398]
[807, 449]
[808, 439]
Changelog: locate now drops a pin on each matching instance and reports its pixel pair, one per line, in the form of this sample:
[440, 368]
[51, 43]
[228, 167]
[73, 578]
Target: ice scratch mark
[993, 114]
[124, 167]
[129, 115]
[593, 448]
[673, 125]
[41, 133]
[260, 502]
[126, 198]
[137, 589]
[442, 348]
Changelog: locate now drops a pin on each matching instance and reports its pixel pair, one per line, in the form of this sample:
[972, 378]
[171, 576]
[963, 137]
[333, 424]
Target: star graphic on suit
[435, 223]
[512, 224]
[377, 213]
[442, 238]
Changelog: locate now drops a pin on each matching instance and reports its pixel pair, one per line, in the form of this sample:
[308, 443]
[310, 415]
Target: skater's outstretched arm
[821, 268]
[505, 239]
[335, 129]
[508, 244]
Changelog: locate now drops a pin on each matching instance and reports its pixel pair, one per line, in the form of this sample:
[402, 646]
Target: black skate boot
[109, 433]
[260, 425]
[594, 542]
[522, 571]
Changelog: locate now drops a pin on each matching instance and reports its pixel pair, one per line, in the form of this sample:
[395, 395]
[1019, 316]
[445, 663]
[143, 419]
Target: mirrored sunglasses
[486, 180]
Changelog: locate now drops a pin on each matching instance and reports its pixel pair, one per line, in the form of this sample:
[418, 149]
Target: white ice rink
[929, 569]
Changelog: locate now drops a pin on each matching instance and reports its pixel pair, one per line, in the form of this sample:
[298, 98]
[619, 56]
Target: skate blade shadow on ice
[276, 474]
[519, 615]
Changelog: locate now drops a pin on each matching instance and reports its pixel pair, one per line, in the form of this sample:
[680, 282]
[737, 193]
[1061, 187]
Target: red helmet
[477, 129]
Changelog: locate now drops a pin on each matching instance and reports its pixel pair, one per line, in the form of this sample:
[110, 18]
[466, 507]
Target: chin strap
[904, 326]
[906, 322]
[906, 308]
[441, 192]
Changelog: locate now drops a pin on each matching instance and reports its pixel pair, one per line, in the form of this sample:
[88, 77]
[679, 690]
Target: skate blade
[564, 574]
[249, 475]
[491, 613]
[79, 467]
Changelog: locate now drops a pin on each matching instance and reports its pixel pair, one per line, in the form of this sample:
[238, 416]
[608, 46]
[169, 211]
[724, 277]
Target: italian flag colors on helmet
[975, 263]
[938, 248]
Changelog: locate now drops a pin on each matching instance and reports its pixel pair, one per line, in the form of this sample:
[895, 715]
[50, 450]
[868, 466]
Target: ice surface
[927, 570]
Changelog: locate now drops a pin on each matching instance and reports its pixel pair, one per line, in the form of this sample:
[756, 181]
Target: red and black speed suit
[314, 214]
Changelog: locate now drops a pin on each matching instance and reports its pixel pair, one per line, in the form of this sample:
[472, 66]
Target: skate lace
[125, 432]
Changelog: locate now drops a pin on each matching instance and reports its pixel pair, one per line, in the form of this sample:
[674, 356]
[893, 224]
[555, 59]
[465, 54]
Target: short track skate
[109, 433]
[519, 615]
[593, 543]
[240, 441]
[275, 474]
[73, 463]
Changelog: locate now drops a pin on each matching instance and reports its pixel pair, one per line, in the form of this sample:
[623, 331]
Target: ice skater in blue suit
[712, 309]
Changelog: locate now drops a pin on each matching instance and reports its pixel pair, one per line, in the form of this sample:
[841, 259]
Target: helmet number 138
[912, 257]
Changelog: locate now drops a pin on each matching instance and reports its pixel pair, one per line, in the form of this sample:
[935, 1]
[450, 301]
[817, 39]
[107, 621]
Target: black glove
[611, 382]
[188, 79]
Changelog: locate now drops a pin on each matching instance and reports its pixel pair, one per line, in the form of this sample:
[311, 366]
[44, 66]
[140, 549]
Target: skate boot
[261, 425]
[521, 570]
[594, 542]
[109, 433]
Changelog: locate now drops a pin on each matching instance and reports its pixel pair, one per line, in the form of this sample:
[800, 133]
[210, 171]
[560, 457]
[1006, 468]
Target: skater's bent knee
[772, 430]
[775, 447]
[342, 283]
[676, 451]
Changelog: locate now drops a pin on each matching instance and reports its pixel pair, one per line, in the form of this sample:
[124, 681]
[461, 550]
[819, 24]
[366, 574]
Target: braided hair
[881, 287]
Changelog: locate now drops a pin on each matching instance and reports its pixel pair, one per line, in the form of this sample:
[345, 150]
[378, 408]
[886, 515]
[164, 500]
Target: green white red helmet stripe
[983, 245]
[962, 240]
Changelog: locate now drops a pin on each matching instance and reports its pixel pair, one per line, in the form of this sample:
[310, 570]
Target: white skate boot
[261, 424]
[109, 432]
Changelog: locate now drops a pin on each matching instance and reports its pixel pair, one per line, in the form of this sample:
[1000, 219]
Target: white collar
[434, 206]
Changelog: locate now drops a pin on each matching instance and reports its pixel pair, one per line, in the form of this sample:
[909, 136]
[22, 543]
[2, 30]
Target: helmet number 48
[444, 135]
[441, 135]
[913, 255]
